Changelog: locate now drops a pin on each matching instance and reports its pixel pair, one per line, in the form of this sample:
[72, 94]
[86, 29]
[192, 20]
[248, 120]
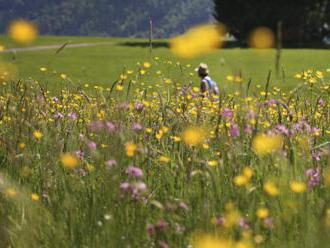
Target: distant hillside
[108, 17]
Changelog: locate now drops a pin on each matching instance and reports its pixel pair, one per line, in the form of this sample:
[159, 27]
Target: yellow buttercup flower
[264, 144]
[69, 160]
[35, 197]
[241, 180]
[194, 135]
[198, 40]
[262, 213]
[10, 192]
[271, 189]
[37, 134]
[164, 159]
[208, 241]
[146, 65]
[130, 148]
[261, 38]
[213, 163]
[298, 187]
[24, 32]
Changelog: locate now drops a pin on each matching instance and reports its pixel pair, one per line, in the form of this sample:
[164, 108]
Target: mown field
[103, 64]
[110, 146]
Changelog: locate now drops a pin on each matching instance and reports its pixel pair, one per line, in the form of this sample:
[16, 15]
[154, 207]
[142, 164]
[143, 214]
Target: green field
[103, 64]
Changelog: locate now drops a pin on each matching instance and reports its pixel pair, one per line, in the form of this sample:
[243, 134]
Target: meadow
[111, 146]
[102, 65]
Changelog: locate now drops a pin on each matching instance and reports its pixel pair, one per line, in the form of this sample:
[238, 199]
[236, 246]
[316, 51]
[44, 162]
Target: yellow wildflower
[198, 40]
[10, 192]
[262, 213]
[241, 180]
[264, 144]
[35, 197]
[164, 159]
[24, 32]
[298, 187]
[69, 160]
[262, 38]
[208, 241]
[271, 189]
[130, 148]
[37, 134]
[213, 163]
[194, 135]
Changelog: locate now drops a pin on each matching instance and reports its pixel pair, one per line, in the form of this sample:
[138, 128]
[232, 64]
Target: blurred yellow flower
[298, 187]
[69, 160]
[2, 48]
[262, 38]
[241, 180]
[164, 159]
[10, 192]
[194, 135]
[37, 134]
[248, 172]
[271, 189]
[264, 144]
[43, 69]
[63, 76]
[213, 163]
[24, 32]
[119, 87]
[198, 40]
[21, 146]
[262, 213]
[35, 197]
[208, 241]
[130, 148]
[146, 65]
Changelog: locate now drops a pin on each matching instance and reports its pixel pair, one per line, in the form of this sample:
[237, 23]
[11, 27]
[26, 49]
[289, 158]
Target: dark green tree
[301, 20]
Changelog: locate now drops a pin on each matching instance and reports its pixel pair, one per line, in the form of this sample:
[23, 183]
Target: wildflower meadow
[150, 161]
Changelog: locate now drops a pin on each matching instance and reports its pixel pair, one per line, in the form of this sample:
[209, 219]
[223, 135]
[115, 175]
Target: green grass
[103, 64]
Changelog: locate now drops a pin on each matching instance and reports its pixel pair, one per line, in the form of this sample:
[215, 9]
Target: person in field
[207, 84]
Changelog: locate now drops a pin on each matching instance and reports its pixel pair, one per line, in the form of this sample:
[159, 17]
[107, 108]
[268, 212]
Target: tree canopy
[104, 17]
[302, 20]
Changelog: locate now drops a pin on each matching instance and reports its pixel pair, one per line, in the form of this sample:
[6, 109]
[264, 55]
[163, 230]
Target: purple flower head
[151, 230]
[134, 172]
[321, 102]
[269, 223]
[314, 177]
[163, 244]
[96, 125]
[80, 154]
[282, 129]
[316, 155]
[183, 205]
[125, 186]
[243, 223]
[227, 113]
[111, 163]
[58, 115]
[110, 126]
[161, 225]
[219, 221]
[139, 106]
[92, 145]
[137, 127]
[248, 129]
[234, 130]
[72, 115]
[271, 102]
[55, 99]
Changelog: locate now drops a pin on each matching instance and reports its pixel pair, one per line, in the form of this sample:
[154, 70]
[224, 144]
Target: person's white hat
[202, 68]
